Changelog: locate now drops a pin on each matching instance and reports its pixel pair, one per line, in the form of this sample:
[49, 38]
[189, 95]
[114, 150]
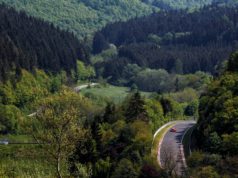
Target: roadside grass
[17, 138]
[110, 93]
[26, 160]
[156, 141]
[187, 140]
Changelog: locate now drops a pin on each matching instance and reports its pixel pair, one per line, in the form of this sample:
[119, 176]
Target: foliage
[218, 111]
[195, 159]
[136, 108]
[10, 119]
[216, 131]
[208, 172]
[81, 17]
[104, 94]
[151, 80]
[125, 169]
[58, 125]
[27, 89]
[155, 112]
[42, 45]
[84, 72]
[182, 4]
[177, 41]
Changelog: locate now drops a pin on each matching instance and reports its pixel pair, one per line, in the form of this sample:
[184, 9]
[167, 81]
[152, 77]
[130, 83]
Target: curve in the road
[171, 154]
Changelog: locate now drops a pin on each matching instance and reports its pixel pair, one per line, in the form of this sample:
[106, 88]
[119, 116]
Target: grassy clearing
[159, 136]
[17, 138]
[24, 161]
[110, 92]
[186, 141]
[21, 160]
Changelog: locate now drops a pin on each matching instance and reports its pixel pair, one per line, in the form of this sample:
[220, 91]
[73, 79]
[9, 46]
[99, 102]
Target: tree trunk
[58, 167]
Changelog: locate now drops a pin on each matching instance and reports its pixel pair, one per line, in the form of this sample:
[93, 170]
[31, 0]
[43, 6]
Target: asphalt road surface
[171, 154]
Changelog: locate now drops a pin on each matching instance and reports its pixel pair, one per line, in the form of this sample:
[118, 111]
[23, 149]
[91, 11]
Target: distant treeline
[195, 41]
[26, 42]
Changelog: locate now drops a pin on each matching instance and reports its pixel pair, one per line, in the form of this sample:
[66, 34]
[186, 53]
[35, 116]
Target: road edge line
[162, 138]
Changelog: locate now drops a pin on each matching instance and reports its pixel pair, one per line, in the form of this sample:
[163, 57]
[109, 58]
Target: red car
[173, 130]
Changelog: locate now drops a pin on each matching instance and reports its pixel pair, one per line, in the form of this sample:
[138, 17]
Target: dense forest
[171, 67]
[177, 41]
[182, 4]
[216, 131]
[188, 4]
[27, 43]
[218, 116]
[82, 17]
[94, 141]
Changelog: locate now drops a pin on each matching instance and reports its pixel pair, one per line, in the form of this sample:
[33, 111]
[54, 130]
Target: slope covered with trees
[181, 4]
[177, 41]
[27, 43]
[218, 122]
[81, 16]
[217, 129]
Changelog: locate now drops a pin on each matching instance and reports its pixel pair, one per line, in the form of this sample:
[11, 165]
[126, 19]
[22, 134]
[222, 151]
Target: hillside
[216, 134]
[188, 4]
[181, 4]
[177, 41]
[81, 16]
[26, 43]
[218, 123]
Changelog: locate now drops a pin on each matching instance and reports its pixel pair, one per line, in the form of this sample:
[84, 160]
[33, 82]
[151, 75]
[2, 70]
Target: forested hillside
[218, 123]
[217, 129]
[188, 4]
[81, 16]
[26, 43]
[177, 41]
[181, 4]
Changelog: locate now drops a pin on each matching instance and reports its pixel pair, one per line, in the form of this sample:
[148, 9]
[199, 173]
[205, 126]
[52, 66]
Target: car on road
[173, 130]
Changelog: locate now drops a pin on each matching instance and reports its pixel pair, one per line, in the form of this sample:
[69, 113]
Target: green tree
[136, 108]
[192, 109]
[167, 105]
[110, 113]
[155, 112]
[84, 72]
[125, 169]
[214, 143]
[208, 172]
[178, 67]
[233, 62]
[230, 143]
[57, 127]
[7, 94]
[11, 119]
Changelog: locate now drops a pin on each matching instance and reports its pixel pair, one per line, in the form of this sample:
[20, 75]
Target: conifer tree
[135, 109]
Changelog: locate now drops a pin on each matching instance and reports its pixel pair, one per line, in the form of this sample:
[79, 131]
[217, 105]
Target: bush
[208, 172]
[196, 159]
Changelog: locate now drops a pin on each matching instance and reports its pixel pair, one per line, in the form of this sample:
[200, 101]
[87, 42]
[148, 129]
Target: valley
[118, 89]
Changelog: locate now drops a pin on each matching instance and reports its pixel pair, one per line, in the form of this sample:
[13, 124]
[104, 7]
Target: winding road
[171, 154]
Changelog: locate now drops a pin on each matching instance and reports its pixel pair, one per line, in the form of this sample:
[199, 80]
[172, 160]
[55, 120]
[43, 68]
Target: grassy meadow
[109, 93]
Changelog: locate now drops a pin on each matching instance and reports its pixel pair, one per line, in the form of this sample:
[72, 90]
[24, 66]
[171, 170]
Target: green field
[110, 93]
[23, 160]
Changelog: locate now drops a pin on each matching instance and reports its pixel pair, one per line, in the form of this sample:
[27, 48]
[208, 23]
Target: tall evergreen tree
[135, 109]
